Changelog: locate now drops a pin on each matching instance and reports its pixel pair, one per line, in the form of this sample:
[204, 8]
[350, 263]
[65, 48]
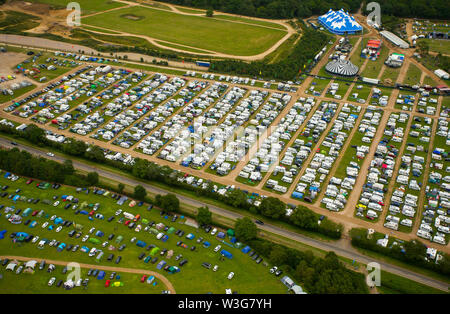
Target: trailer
[203, 64]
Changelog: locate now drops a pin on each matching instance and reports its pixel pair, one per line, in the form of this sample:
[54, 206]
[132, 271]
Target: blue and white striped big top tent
[339, 22]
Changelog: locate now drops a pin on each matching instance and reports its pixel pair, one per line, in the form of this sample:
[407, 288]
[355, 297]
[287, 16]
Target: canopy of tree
[411, 252]
[272, 9]
[313, 273]
[284, 9]
[245, 229]
[168, 202]
[204, 216]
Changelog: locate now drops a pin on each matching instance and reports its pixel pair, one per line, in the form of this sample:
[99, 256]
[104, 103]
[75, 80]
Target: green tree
[92, 178]
[168, 202]
[121, 187]
[423, 47]
[245, 229]
[68, 167]
[278, 256]
[139, 192]
[237, 198]
[204, 216]
[209, 13]
[75, 148]
[35, 134]
[272, 207]
[95, 153]
[304, 218]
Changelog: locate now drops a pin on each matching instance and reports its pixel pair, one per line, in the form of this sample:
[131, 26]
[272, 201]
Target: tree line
[316, 274]
[271, 9]
[286, 9]
[25, 164]
[411, 252]
[430, 9]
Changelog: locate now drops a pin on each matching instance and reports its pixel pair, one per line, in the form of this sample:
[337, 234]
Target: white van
[439, 240]
[391, 225]
[423, 234]
[374, 206]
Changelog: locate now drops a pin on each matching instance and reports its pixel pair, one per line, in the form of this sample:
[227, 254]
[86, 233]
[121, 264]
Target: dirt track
[163, 279]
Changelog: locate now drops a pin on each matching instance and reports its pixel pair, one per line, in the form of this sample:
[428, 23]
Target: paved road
[341, 247]
[163, 279]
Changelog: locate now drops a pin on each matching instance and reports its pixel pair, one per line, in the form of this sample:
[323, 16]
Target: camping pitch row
[269, 151]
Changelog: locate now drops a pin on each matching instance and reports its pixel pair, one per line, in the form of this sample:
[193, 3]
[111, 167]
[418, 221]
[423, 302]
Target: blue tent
[161, 264]
[84, 212]
[226, 254]
[339, 22]
[2, 234]
[99, 233]
[246, 249]
[101, 275]
[141, 243]
[297, 195]
[15, 198]
[221, 235]
[58, 220]
[206, 244]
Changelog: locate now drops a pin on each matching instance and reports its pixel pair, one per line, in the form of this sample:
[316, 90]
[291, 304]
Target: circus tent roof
[339, 22]
[342, 67]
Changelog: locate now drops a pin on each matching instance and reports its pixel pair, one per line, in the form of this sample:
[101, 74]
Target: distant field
[195, 31]
[194, 11]
[250, 21]
[87, 6]
[390, 73]
[438, 45]
[412, 75]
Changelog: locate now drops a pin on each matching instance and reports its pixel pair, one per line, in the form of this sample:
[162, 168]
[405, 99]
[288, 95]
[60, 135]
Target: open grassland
[429, 81]
[38, 282]
[373, 68]
[193, 278]
[195, 31]
[12, 21]
[412, 75]
[87, 6]
[393, 284]
[438, 45]
[390, 74]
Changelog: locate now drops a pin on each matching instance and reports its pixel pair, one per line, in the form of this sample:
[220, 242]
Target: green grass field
[373, 68]
[438, 45]
[193, 278]
[412, 75]
[195, 31]
[391, 74]
[393, 284]
[38, 282]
